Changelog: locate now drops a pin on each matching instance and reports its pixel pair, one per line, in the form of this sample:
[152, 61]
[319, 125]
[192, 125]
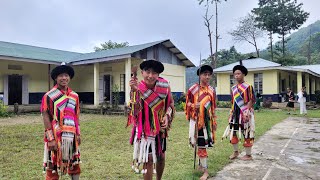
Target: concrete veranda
[290, 150]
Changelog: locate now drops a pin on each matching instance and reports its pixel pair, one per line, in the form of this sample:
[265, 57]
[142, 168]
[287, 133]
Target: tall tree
[110, 45]
[291, 17]
[248, 31]
[271, 46]
[266, 19]
[280, 16]
[207, 20]
[217, 36]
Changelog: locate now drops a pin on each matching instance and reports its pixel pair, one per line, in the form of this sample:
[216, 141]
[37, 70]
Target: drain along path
[290, 150]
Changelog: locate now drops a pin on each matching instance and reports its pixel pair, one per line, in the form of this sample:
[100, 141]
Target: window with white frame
[258, 83]
[232, 80]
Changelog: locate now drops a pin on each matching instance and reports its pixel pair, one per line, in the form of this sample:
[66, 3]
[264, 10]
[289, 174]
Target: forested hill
[297, 44]
[297, 39]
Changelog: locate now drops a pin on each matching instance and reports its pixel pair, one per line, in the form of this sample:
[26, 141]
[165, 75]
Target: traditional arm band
[49, 135]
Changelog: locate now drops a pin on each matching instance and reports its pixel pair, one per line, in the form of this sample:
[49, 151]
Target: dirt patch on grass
[37, 119]
[21, 119]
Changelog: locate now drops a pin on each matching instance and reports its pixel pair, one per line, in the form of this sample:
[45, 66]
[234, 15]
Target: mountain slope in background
[298, 38]
[297, 45]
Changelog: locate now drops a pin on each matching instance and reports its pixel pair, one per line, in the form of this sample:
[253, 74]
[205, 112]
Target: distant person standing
[302, 95]
[290, 97]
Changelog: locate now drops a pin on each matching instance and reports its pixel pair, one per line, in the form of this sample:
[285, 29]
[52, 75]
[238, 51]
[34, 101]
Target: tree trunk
[271, 46]
[216, 53]
[256, 46]
[217, 37]
[207, 24]
[257, 50]
[283, 54]
[211, 50]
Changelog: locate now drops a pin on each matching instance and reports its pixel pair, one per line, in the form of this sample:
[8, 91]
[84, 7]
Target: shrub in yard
[224, 104]
[267, 103]
[180, 106]
[3, 110]
[317, 92]
[180, 99]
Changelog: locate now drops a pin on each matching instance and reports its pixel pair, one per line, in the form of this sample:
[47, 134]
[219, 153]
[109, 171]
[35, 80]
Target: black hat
[205, 68]
[157, 66]
[62, 69]
[243, 69]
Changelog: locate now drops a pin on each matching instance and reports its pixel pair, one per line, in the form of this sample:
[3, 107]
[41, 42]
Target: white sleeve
[299, 96]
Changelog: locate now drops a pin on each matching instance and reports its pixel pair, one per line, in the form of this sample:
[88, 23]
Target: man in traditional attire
[60, 112]
[241, 118]
[151, 113]
[200, 112]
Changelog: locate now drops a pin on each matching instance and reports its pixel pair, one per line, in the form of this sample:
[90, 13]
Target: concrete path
[290, 150]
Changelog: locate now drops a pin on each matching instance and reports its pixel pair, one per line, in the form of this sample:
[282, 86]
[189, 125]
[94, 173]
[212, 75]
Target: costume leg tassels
[252, 126]
[226, 132]
[50, 156]
[67, 148]
[240, 121]
[135, 163]
[154, 157]
[76, 159]
[246, 130]
[45, 157]
[146, 154]
[192, 125]
[205, 135]
[136, 150]
[143, 144]
[231, 132]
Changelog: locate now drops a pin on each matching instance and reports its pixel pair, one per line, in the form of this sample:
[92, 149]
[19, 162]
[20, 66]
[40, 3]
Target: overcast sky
[79, 25]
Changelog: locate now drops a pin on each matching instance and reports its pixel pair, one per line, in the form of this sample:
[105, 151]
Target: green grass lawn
[105, 149]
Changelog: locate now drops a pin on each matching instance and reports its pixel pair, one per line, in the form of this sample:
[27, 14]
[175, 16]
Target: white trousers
[303, 108]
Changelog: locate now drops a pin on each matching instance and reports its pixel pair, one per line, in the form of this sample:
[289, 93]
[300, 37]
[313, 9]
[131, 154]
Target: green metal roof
[115, 52]
[45, 54]
[35, 53]
[52, 56]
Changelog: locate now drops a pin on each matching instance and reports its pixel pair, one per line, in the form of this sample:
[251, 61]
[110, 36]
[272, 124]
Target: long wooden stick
[196, 128]
[132, 112]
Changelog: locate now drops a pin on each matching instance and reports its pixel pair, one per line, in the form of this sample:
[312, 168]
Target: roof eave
[302, 70]
[172, 48]
[10, 58]
[97, 60]
[251, 69]
[274, 68]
